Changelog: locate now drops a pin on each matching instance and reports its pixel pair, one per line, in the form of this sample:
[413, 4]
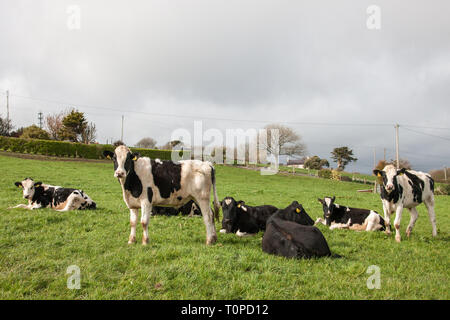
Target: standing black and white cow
[406, 189]
[242, 219]
[41, 195]
[290, 233]
[341, 217]
[146, 182]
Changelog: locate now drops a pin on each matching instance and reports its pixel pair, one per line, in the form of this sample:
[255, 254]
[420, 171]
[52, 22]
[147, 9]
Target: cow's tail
[216, 199]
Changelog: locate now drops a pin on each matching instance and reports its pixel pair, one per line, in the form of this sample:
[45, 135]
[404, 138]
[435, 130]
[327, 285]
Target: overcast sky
[164, 63]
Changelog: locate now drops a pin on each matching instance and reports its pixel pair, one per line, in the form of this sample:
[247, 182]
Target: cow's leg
[146, 210]
[431, 214]
[133, 221]
[387, 219]
[412, 221]
[207, 213]
[398, 218]
[320, 220]
[25, 206]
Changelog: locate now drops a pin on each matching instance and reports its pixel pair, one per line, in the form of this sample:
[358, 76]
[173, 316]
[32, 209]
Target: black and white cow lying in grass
[41, 195]
[242, 219]
[189, 209]
[146, 183]
[341, 217]
[290, 233]
[406, 189]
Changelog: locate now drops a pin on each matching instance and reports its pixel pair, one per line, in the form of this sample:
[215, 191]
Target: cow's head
[328, 208]
[28, 187]
[230, 214]
[296, 213]
[389, 175]
[87, 203]
[123, 160]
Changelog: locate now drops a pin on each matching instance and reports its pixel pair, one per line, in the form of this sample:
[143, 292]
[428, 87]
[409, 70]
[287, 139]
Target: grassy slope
[37, 247]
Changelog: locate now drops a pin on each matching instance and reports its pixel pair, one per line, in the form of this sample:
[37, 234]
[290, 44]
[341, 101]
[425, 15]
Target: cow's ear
[135, 156]
[320, 200]
[377, 172]
[401, 171]
[37, 184]
[108, 154]
[18, 184]
[334, 198]
[298, 210]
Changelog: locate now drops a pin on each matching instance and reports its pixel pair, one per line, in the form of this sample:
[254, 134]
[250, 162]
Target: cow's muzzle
[119, 174]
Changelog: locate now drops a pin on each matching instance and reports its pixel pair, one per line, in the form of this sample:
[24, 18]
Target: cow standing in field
[290, 233]
[242, 219]
[146, 182]
[406, 189]
[41, 195]
[341, 217]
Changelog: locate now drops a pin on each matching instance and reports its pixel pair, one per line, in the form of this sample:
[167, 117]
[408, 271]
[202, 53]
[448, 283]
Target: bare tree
[54, 124]
[5, 126]
[89, 133]
[147, 142]
[289, 142]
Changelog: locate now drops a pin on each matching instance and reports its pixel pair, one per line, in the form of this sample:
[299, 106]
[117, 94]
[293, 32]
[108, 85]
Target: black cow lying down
[41, 195]
[290, 233]
[242, 219]
[190, 209]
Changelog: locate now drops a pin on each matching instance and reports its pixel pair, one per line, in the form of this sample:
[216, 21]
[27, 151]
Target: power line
[427, 134]
[203, 116]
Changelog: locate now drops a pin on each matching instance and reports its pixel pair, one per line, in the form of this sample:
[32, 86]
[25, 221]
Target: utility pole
[40, 119]
[384, 158]
[396, 146]
[7, 105]
[445, 173]
[121, 136]
[374, 165]
[374, 157]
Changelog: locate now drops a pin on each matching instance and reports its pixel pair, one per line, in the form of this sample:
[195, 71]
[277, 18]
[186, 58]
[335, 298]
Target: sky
[319, 67]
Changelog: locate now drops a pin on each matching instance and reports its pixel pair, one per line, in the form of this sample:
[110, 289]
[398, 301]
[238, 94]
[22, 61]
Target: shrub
[34, 132]
[325, 173]
[335, 175]
[74, 150]
[442, 190]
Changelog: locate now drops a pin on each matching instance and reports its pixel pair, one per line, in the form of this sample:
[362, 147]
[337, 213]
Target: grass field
[37, 247]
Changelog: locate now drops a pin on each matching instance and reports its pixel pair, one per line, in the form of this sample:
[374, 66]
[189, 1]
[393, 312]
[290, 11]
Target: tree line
[70, 125]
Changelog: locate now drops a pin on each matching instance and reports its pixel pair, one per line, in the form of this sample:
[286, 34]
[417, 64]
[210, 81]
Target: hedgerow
[70, 149]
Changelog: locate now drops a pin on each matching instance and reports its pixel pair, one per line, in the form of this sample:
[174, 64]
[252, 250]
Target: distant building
[296, 163]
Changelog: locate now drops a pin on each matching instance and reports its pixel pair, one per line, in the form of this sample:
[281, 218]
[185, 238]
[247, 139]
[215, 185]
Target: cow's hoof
[144, 241]
[131, 240]
[408, 233]
[398, 239]
[211, 240]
